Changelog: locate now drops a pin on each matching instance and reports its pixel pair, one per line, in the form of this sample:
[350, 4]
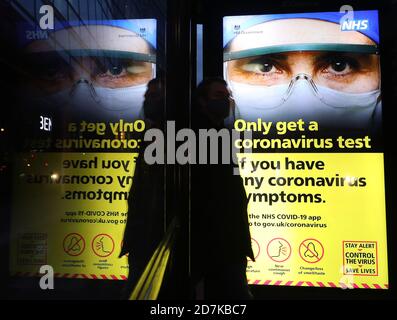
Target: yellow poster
[317, 219]
[69, 212]
[307, 86]
[77, 117]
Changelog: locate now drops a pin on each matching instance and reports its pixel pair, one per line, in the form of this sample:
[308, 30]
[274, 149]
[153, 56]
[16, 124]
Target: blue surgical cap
[244, 22]
[144, 28]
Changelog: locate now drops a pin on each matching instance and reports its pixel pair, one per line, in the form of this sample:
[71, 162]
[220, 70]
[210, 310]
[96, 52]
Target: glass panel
[199, 54]
[84, 90]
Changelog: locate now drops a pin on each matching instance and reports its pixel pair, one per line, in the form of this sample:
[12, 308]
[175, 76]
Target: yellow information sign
[77, 213]
[317, 219]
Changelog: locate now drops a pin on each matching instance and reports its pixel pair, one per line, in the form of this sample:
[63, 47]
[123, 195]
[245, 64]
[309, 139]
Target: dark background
[177, 45]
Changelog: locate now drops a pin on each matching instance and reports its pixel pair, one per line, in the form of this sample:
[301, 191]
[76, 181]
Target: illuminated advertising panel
[307, 87]
[81, 105]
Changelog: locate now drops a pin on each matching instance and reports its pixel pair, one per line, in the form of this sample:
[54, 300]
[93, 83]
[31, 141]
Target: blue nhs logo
[353, 25]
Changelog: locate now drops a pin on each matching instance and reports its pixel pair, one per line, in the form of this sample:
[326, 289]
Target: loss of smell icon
[311, 251]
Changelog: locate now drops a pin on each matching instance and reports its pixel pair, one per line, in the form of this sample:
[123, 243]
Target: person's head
[153, 106]
[93, 67]
[352, 72]
[213, 99]
[309, 62]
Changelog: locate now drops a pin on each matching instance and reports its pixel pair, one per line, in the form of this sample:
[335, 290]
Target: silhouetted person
[220, 233]
[145, 221]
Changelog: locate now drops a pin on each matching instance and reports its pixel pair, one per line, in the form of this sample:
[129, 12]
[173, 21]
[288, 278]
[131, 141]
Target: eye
[116, 70]
[53, 74]
[260, 66]
[50, 71]
[121, 73]
[121, 68]
[340, 66]
[267, 67]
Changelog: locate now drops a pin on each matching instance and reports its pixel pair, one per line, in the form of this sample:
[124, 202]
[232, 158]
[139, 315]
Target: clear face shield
[337, 85]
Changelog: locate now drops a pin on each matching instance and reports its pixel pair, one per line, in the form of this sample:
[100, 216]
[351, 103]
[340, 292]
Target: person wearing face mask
[214, 103]
[145, 220]
[86, 70]
[220, 236]
[308, 66]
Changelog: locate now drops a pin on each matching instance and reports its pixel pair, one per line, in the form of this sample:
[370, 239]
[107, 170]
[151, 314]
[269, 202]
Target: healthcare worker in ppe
[304, 66]
[97, 71]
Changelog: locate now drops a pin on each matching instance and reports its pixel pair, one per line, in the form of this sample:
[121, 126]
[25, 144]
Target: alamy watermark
[47, 280]
[205, 146]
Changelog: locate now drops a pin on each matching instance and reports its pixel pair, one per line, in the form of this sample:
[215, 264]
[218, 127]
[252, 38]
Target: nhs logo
[354, 25]
[36, 35]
